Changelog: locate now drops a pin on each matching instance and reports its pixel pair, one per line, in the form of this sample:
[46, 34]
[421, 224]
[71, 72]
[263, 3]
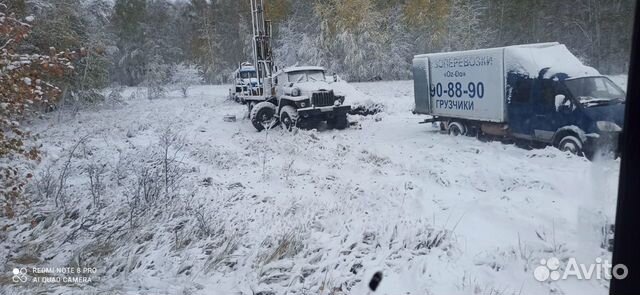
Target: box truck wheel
[457, 128]
[571, 144]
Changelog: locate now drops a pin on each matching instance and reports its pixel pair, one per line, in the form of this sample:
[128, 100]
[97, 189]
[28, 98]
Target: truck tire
[289, 117]
[263, 115]
[250, 105]
[456, 129]
[571, 144]
[339, 122]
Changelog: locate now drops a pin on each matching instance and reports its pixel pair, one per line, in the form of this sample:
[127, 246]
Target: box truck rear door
[421, 86]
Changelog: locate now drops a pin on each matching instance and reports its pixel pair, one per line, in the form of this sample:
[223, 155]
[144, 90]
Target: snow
[314, 211]
[302, 68]
[530, 60]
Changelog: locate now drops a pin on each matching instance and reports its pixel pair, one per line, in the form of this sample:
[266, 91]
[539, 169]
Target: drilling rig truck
[295, 96]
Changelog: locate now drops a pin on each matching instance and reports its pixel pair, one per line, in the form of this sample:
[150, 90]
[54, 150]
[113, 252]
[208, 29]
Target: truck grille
[323, 98]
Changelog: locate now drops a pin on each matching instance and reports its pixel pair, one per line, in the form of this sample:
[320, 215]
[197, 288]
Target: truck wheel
[263, 115]
[456, 128]
[571, 144]
[289, 117]
[339, 122]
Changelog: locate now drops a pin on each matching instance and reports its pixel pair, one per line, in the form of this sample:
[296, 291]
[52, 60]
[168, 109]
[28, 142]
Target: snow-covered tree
[184, 76]
[399, 50]
[127, 21]
[465, 29]
[155, 77]
[76, 24]
[23, 91]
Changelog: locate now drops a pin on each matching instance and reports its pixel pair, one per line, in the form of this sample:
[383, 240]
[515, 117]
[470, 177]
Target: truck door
[520, 109]
[545, 120]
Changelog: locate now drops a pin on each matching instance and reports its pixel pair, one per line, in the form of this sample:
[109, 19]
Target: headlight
[607, 126]
[337, 103]
[303, 104]
[295, 92]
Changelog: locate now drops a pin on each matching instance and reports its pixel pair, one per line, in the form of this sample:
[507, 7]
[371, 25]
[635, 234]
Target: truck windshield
[593, 91]
[248, 74]
[306, 76]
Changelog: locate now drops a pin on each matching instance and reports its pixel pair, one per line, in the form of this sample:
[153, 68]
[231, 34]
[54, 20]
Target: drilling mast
[262, 54]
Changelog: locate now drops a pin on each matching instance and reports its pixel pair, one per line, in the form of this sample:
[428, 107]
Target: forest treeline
[361, 40]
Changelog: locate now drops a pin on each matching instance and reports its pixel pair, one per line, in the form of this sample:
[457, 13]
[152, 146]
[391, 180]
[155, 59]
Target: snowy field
[308, 212]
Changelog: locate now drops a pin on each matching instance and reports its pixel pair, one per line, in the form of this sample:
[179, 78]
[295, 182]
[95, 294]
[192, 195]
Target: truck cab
[245, 82]
[582, 115]
[303, 97]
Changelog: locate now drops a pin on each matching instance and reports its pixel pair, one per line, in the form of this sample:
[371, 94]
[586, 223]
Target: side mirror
[291, 85]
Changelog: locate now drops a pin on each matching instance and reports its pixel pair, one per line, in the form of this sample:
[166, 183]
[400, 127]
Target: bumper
[323, 111]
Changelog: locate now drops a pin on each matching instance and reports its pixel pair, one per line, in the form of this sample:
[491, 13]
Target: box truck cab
[538, 92]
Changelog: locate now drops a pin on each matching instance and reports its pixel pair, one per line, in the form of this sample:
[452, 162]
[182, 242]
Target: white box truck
[537, 92]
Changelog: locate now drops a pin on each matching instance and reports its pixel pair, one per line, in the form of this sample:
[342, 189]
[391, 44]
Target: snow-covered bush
[155, 77]
[114, 96]
[23, 93]
[184, 76]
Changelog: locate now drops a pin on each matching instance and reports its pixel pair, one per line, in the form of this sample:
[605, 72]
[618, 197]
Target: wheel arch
[461, 124]
[568, 131]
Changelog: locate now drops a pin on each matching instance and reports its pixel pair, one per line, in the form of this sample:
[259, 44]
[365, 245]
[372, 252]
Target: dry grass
[287, 246]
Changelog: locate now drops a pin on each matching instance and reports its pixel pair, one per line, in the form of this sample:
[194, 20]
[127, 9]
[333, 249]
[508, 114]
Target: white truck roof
[530, 59]
[534, 45]
[473, 84]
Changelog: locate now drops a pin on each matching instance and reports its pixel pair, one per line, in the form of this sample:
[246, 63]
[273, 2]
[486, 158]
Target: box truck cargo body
[537, 92]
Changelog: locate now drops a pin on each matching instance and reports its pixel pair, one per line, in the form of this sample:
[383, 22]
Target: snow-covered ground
[308, 212]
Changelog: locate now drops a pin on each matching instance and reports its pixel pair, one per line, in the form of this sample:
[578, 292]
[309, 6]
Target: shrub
[184, 76]
[23, 91]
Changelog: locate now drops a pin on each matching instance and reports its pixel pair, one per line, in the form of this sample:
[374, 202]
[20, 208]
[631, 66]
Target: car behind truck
[539, 93]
